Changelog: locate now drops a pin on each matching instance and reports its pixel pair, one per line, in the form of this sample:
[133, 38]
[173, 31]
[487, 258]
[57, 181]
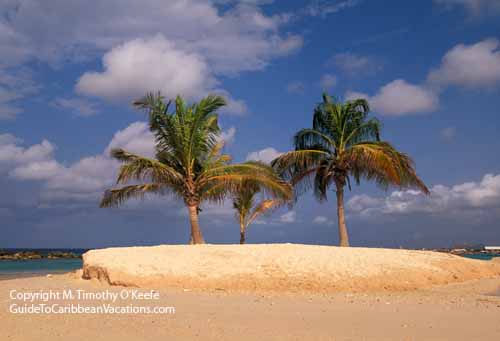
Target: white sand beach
[268, 292]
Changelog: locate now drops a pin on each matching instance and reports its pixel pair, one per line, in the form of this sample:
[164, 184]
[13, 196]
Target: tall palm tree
[188, 163]
[248, 209]
[343, 144]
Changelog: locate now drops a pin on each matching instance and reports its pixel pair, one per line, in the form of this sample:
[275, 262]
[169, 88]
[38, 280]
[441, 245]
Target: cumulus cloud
[254, 36]
[181, 45]
[472, 66]
[328, 81]
[83, 180]
[37, 170]
[168, 69]
[12, 154]
[476, 65]
[399, 98]
[136, 138]
[265, 155]
[469, 196]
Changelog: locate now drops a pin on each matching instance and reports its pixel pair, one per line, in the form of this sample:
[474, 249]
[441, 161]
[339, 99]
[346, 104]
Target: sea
[39, 267]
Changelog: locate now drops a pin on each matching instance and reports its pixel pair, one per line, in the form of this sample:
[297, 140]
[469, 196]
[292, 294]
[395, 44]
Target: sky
[430, 70]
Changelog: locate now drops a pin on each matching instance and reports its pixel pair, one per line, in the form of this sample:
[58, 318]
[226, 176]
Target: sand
[281, 268]
[464, 311]
[260, 292]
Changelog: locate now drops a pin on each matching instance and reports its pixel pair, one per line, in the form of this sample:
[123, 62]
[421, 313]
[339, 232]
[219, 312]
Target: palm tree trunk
[242, 234]
[343, 237]
[196, 236]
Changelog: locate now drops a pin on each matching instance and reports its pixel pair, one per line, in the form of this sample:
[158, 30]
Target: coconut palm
[248, 209]
[343, 144]
[188, 163]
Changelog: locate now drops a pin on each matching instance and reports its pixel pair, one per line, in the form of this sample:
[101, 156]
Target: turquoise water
[34, 267]
[39, 266]
[483, 256]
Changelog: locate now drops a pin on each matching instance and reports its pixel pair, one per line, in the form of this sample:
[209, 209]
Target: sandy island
[281, 268]
[278, 292]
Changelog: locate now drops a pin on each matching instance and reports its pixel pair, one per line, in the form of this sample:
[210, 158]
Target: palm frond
[140, 168]
[290, 164]
[380, 162]
[232, 178]
[116, 197]
[262, 208]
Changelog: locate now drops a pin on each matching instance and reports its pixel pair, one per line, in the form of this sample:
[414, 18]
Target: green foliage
[344, 144]
[248, 209]
[189, 163]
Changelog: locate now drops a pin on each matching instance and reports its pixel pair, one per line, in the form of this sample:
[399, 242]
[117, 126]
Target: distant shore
[33, 254]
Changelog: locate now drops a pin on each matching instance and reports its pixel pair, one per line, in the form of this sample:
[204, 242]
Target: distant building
[492, 248]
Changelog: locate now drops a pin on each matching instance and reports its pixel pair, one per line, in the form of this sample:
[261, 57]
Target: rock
[60, 254]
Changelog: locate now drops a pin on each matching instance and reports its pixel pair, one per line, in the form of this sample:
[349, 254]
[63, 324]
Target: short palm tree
[343, 144]
[188, 162]
[248, 209]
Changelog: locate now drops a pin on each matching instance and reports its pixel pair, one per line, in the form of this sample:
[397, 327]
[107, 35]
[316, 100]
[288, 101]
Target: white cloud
[15, 85]
[83, 180]
[78, 106]
[12, 154]
[473, 6]
[9, 139]
[37, 170]
[322, 220]
[399, 98]
[168, 69]
[288, 217]
[254, 37]
[178, 46]
[136, 138]
[323, 8]
[352, 63]
[234, 106]
[476, 65]
[295, 87]
[473, 66]
[265, 155]
[228, 135]
[469, 196]
[328, 81]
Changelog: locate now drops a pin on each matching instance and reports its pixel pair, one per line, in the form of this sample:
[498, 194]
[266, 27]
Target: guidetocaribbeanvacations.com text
[45, 302]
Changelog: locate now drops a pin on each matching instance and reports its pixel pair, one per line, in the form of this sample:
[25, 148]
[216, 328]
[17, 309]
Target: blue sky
[430, 70]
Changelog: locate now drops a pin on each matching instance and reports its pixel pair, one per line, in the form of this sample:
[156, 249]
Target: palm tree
[247, 209]
[343, 144]
[188, 163]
